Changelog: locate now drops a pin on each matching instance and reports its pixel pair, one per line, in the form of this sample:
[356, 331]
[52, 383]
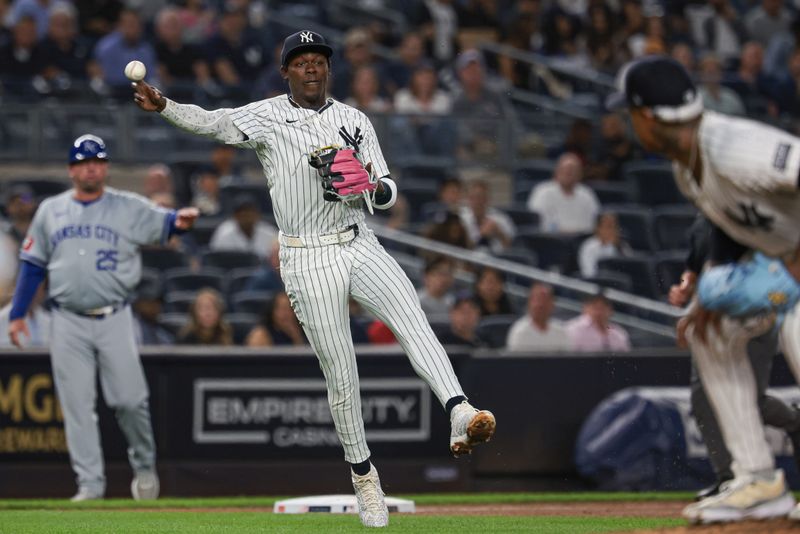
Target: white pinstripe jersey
[750, 184]
[282, 133]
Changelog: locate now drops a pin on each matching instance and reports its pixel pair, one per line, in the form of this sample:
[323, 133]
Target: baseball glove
[344, 176]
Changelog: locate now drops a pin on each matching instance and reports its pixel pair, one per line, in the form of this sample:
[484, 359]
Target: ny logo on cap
[306, 37]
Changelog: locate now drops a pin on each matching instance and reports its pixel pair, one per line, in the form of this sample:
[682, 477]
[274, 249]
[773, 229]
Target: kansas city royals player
[744, 177]
[86, 241]
[327, 252]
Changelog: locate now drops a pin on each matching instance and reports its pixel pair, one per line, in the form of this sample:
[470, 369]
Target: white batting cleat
[745, 497]
[145, 486]
[469, 427]
[371, 506]
[85, 494]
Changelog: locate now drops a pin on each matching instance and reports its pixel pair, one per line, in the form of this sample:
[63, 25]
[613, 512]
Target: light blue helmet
[87, 147]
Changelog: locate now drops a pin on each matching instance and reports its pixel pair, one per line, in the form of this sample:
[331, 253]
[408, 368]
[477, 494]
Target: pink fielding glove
[352, 177]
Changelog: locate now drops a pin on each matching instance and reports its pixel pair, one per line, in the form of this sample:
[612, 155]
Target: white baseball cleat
[371, 505]
[145, 486]
[745, 497]
[85, 494]
[469, 427]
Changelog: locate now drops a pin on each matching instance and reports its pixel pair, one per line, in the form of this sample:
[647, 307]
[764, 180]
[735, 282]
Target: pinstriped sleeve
[216, 124]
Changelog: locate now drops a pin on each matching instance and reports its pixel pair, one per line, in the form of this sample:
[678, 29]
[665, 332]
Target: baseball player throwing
[743, 176]
[322, 163]
[86, 241]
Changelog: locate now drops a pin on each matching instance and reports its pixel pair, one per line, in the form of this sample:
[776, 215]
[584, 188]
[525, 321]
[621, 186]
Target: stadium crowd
[578, 206]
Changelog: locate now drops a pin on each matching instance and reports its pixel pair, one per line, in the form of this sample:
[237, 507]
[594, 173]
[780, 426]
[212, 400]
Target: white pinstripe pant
[727, 376]
[319, 282]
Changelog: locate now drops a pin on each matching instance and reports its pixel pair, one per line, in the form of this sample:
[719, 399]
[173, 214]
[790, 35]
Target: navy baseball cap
[87, 147]
[304, 41]
[659, 83]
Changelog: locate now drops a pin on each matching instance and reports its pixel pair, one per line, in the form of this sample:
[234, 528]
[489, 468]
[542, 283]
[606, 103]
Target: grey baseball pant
[81, 347]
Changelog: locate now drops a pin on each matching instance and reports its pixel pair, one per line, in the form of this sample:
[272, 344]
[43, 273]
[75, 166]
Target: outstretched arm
[216, 124]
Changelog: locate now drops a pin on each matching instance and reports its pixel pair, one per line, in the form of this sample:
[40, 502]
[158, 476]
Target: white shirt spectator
[525, 336]
[406, 102]
[229, 236]
[563, 213]
[503, 222]
[593, 250]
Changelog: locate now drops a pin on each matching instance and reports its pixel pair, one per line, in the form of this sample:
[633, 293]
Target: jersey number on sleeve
[106, 260]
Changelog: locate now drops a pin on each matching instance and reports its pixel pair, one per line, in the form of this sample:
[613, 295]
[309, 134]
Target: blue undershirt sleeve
[30, 276]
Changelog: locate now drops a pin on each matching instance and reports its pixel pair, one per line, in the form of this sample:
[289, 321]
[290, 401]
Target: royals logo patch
[27, 244]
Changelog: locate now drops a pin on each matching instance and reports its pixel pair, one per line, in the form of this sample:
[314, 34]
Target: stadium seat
[533, 171]
[671, 225]
[613, 280]
[433, 169]
[640, 269]
[229, 259]
[494, 329]
[173, 322]
[417, 196]
[162, 258]
[431, 211]
[257, 192]
[653, 183]
[241, 323]
[183, 279]
[150, 282]
[238, 279]
[521, 216]
[636, 226]
[611, 192]
[204, 227]
[554, 251]
[254, 302]
[178, 301]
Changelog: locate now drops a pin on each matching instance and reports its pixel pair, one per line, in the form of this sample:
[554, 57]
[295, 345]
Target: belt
[94, 313]
[339, 238]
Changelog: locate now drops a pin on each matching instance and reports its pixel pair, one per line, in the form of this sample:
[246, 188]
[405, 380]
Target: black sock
[361, 469]
[453, 402]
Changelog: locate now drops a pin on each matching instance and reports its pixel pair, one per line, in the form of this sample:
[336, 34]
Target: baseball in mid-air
[135, 70]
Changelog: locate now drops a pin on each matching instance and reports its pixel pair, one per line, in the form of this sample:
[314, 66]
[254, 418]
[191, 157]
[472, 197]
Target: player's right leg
[381, 286]
[758, 490]
[74, 370]
[125, 390]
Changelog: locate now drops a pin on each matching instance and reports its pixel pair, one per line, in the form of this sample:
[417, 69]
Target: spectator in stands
[20, 207]
[564, 204]
[487, 227]
[490, 293]
[717, 97]
[749, 81]
[449, 194]
[223, 160]
[428, 131]
[410, 54]
[37, 319]
[479, 14]
[364, 92]
[205, 184]
[655, 37]
[615, 148]
[22, 61]
[237, 57]
[777, 55]
[277, 325]
[207, 325]
[357, 54]
[561, 31]
[436, 297]
[683, 54]
[244, 230]
[147, 308]
[268, 276]
[724, 32]
[483, 111]
[38, 10]
[181, 65]
[578, 141]
[9, 251]
[536, 330]
[197, 21]
[592, 331]
[523, 35]
[605, 243]
[449, 229]
[66, 53]
[600, 42]
[423, 96]
[438, 23]
[157, 179]
[787, 87]
[632, 33]
[115, 50]
[767, 20]
[465, 315]
[97, 18]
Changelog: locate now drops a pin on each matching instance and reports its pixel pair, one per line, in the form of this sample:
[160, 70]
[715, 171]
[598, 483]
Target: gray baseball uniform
[320, 271]
[90, 252]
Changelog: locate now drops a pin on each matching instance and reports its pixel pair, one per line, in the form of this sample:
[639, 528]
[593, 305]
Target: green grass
[423, 499]
[130, 522]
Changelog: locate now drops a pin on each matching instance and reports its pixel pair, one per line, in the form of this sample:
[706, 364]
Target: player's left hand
[185, 217]
[16, 329]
